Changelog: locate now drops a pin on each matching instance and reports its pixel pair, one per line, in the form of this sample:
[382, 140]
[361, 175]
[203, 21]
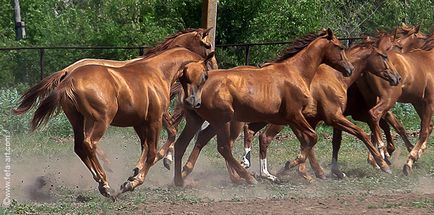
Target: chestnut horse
[417, 88]
[136, 94]
[192, 39]
[355, 106]
[329, 90]
[256, 95]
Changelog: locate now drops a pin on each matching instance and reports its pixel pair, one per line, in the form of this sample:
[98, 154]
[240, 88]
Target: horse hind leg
[148, 135]
[308, 138]
[224, 144]
[425, 112]
[336, 142]
[94, 130]
[264, 141]
[166, 151]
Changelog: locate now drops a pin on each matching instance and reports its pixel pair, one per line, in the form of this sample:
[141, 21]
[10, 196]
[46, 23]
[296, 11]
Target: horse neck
[170, 65]
[307, 61]
[358, 59]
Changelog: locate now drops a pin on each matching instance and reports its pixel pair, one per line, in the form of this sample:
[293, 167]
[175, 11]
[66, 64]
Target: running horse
[256, 95]
[329, 93]
[192, 39]
[354, 105]
[416, 88]
[134, 95]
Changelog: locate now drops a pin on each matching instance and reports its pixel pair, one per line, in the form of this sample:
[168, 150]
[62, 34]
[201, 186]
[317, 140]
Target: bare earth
[376, 204]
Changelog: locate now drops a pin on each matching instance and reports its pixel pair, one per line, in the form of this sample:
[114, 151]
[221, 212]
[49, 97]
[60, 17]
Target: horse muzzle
[193, 102]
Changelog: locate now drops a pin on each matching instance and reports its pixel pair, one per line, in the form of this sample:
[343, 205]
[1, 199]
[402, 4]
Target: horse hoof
[322, 177]
[167, 163]
[104, 190]
[245, 163]
[407, 169]
[387, 170]
[387, 160]
[338, 174]
[127, 186]
[179, 183]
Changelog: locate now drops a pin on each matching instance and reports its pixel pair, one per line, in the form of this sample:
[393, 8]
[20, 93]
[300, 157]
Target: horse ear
[394, 34]
[369, 40]
[209, 57]
[417, 29]
[329, 34]
[206, 32]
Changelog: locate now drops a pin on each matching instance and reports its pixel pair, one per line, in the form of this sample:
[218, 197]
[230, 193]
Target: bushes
[57, 126]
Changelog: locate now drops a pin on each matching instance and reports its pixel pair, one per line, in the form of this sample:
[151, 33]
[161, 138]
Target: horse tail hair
[52, 102]
[39, 91]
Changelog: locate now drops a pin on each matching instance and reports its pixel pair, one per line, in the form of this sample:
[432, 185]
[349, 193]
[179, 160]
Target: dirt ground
[375, 204]
[55, 181]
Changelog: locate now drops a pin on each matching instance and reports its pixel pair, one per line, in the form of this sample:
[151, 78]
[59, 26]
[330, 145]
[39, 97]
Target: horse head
[335, 54]
[379, 64]
[192, 79]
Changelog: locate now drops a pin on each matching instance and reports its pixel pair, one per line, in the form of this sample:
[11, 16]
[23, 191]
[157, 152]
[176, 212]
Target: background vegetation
[145, 23]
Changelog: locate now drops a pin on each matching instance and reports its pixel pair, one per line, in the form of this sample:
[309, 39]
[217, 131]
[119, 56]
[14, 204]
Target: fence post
[41, 62]
[247, 60]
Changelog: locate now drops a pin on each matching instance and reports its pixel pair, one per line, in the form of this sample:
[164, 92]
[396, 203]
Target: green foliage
[138, 23]
[58, 126]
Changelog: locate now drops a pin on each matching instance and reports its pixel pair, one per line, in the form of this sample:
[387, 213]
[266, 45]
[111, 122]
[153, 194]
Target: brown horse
[256, 95]
[354, 107]
[417, 88]
[136, 94]
[192, 39]
[329, 90]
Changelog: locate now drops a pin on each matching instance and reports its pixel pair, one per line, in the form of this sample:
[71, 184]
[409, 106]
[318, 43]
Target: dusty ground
[374, 204]
[49, 179]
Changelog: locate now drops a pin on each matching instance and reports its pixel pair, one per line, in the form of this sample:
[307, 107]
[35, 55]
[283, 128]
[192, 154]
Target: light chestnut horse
[96, 96]
[329, 93]
[193, 39]
[328, 103]
[417, 88]
[277, 93]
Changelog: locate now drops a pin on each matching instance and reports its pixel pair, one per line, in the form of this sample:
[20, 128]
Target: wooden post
[209, 18]
[20, 31]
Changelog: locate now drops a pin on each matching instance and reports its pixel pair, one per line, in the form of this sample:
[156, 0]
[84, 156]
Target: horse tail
[52, 102]
[39, 91]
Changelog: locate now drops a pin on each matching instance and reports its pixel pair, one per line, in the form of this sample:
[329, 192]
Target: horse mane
[165, 44]
[297, 46]
[429, 44]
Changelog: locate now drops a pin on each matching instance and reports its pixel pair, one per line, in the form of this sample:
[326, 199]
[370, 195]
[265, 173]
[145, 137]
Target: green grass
[53, 145]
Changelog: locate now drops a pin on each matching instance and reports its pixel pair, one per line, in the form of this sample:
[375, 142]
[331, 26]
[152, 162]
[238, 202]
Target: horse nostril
[197, 105]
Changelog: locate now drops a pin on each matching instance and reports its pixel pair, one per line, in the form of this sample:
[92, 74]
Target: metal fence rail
[141, 49]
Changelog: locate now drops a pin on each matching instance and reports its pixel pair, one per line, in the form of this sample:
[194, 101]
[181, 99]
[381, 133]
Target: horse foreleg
[193, 123]
[204, 137]
[264, 141]
[425, 112]
[376, 113]
[336, 142]
[250, 129]
[397, 125]
[342, 123]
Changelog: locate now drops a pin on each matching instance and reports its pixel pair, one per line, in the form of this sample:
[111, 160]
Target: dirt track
[378, 204]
